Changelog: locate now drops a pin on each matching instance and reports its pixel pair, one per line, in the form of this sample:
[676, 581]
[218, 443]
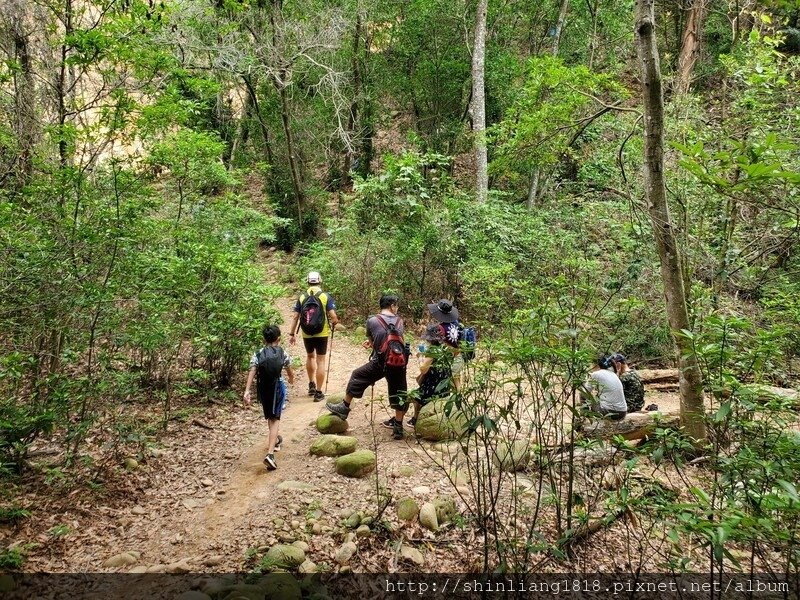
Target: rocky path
[204, 500]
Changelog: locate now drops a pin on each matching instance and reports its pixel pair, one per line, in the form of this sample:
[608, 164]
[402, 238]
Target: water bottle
[421, 353]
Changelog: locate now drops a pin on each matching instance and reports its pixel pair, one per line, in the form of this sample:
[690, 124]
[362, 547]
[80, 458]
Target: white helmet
[314, 277]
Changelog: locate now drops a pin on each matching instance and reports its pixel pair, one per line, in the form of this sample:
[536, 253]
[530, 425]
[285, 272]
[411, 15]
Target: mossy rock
[360, 331]
[407, 509]
[284, 556]
[333, 445]
[277, 586]
[435, 425]
[358, 464]
[445, 509]
[328, 423]
[512, 456]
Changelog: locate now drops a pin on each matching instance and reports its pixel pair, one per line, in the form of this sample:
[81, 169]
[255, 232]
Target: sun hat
[444, 311]
[314, 277]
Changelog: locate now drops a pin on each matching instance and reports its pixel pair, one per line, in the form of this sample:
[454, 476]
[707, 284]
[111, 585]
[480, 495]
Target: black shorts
[316, 344]
[372, 372]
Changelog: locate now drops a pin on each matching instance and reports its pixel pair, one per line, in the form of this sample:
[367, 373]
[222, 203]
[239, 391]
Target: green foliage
[13, 558]
[13, 515]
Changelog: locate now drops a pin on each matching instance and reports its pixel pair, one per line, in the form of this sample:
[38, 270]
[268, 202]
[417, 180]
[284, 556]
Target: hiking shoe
[652, 407]
[319, 396]
[390, 423]
[278, 444]
[269, 460]
[340, 409]
[397, 431]
[412, 422]
[312, 388]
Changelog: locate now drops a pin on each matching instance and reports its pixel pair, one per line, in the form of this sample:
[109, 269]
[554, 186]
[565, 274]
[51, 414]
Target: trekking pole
[330, 357]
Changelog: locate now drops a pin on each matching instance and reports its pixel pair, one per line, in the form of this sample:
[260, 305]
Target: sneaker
[319, 396]
[312, 388]
[390, 423]
[269, 460]
[278, 444]
[397, 431]
[412, 422]
[340, 409]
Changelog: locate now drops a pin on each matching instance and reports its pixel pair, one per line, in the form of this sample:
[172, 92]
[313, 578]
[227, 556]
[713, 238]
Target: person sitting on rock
[631, 383]
[603, 391]
[378, 330]
[435, 373]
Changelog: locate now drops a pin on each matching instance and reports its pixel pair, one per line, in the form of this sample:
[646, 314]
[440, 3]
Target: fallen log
[658, 375]
[662, 387]
[634, 426]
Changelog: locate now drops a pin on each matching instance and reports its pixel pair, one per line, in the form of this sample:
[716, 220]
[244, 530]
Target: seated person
[631, 383]
[435, 372]
[603, 391]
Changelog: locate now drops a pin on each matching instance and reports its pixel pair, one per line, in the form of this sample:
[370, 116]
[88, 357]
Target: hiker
[631, 383]
[315, 312]
[266, 366]
[384, 336]
[603, 391]
[435, 373]
[446, 316]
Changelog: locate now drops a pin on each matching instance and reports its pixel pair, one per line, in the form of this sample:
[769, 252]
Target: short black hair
[604, 361]
[271, 333]
[387, 300]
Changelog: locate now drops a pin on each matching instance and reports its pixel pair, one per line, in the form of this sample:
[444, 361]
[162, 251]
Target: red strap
[386, 325]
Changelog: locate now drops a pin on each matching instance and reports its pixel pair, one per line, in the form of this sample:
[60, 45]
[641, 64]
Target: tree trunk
[691, 384]
[690, 45]
[479, 103]
[562, 17]
[352, 117]
[25, 126]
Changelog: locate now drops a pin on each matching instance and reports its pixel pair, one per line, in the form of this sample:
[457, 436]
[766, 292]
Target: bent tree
[691, 384]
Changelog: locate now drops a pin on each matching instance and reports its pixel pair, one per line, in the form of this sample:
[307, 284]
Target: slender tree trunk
[562, 17]
[593, 8]
[479, 103]
[251, 91]
[294, 170]
[25, 127]
[690, 45]
[352, 117]
[691, 384]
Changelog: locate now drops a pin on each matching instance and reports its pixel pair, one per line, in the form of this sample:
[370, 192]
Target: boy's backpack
[312, 315]
[270, 363]
[469, 340]
[393, 350]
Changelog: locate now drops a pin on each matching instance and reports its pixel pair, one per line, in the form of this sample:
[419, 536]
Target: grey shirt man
[606, 388]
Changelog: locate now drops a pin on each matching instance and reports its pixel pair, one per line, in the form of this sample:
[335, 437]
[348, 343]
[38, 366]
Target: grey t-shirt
[376, 331]
[607, 389]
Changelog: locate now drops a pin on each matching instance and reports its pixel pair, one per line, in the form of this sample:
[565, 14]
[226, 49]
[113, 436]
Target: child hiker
[265, 367]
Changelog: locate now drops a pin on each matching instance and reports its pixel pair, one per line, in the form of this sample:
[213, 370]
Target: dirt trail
[251, 484]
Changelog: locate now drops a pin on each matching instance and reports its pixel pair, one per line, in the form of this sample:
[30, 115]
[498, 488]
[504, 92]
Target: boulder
[345, 553]
[427, 516]
[435, 425]
[123, 559]
[353, 520]
[328, 423]
[307, 567]
[360, 331]
[333, 445]
[512, 456]
[412, 555]
[407, 509]
[285, 556]
[358, 464]
[280, 586]
[363, 531]
[445, 508]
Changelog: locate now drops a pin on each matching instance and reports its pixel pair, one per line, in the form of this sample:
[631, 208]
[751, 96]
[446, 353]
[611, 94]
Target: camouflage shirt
[634, 390]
